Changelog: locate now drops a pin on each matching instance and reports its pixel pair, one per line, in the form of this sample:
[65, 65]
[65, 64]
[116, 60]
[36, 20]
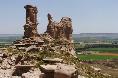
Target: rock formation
[58, 70]
[62, 29]
[15, 65]
[31, 22]
[57, 33]
[54, 58]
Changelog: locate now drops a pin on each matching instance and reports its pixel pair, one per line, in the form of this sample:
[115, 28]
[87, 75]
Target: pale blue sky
[88, 16]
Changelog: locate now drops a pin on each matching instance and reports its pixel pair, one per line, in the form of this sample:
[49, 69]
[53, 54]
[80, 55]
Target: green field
[111, 50]
[96, 57]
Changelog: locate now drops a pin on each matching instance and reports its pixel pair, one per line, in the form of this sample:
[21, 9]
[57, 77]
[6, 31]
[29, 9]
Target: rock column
[31, 22]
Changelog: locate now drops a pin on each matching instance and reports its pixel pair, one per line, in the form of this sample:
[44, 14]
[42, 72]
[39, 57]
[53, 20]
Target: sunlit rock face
[61, 29]
[30, 28]
[57, 38]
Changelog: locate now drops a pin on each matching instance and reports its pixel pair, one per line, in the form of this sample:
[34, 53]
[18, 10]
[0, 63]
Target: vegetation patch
[111, 50]
[93, 57]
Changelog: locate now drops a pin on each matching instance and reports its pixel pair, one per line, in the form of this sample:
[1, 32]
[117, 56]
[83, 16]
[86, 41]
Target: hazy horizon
[73, 33]
[88, 16]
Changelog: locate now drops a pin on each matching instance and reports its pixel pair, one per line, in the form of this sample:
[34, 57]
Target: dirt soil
[107, 70]
[107, 67]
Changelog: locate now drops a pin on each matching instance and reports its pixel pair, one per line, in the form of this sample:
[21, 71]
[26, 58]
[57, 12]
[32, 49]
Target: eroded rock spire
[61, 29]
[31, 22]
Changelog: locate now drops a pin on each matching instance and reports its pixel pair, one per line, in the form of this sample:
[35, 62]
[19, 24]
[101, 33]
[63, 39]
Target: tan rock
[59, 71]
[31, 22]
[57, 33]
[36, 73]
[62, 29]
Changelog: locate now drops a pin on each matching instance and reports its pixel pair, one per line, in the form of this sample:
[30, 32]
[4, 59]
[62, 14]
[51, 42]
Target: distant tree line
[88, 46]
[101, 46]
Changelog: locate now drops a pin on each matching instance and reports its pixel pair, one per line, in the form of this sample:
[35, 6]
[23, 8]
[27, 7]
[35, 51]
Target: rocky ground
[26, 57]
[17, 64]
[109, 67]
[13, 65]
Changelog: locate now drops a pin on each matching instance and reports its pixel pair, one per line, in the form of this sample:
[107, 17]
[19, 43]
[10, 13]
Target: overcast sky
[88, 16]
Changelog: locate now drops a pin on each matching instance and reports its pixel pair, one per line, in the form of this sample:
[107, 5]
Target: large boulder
[59, 71]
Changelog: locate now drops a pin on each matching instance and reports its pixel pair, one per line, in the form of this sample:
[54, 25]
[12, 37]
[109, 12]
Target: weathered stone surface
[57, 38]
[53, 60]
[57, 34]
[79, 76]
[16, 77]
[34, 73]
[6, 73]
[5, 64]
[62, 29]
[59, 71]
[31, 22]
